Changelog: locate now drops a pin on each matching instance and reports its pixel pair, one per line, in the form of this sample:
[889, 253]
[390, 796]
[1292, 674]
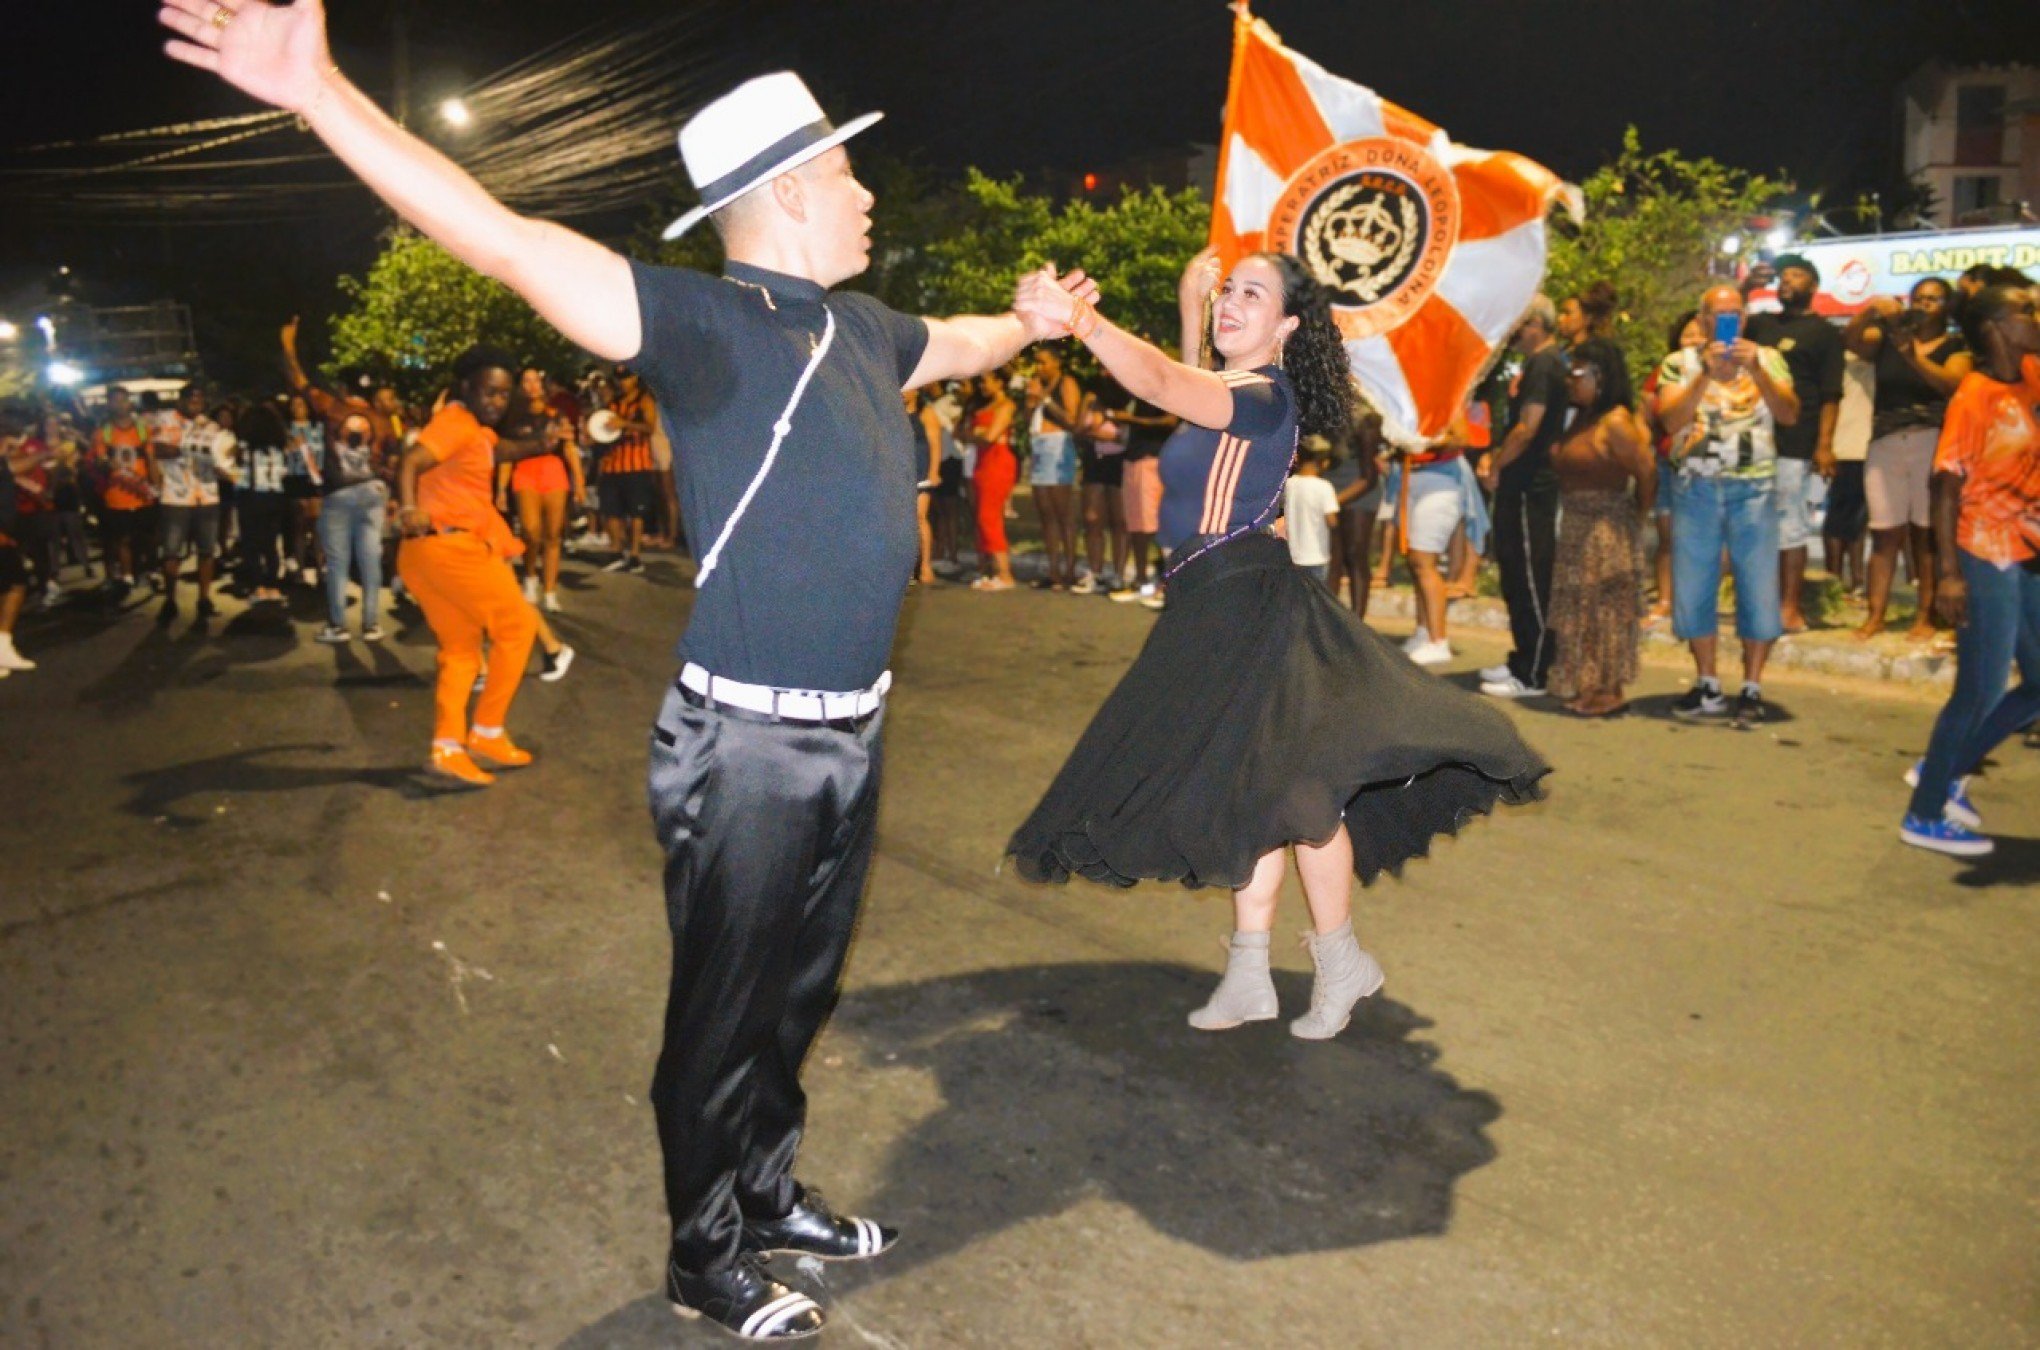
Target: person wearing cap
[1813, 352]
[782, 399]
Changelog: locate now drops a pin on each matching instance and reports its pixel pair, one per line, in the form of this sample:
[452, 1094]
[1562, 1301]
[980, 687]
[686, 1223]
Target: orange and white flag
[1431, 250]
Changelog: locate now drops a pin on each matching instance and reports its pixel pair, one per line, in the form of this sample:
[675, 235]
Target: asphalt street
[304, 1051]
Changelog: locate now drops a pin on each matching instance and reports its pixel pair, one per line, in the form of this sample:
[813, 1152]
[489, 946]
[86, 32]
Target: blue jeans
[2003, 627]
[1709, 514]
[350, 531]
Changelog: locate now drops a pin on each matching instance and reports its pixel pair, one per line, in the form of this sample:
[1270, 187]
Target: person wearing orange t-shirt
[456, 562]
[1986, 511]
[120, 459]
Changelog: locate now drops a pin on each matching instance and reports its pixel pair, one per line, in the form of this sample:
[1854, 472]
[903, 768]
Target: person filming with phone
[1920, 361]
[1722, 405]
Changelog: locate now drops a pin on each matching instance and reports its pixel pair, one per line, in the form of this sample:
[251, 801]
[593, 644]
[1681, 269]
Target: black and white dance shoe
[811, 1228]
[744, 1301]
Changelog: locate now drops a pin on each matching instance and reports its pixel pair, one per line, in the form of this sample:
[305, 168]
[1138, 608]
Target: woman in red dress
[990, 428]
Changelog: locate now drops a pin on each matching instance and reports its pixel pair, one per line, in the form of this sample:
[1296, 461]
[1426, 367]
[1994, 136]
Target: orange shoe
[455, 764]
[498, 749]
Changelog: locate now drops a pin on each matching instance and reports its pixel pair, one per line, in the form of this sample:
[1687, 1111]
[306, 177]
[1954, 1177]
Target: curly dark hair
[1314, 357]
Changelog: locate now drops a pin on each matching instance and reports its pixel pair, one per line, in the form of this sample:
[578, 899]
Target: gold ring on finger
[222, 16]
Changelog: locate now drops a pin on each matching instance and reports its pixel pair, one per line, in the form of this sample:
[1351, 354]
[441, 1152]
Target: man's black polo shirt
[1812, 348]
[806, 593]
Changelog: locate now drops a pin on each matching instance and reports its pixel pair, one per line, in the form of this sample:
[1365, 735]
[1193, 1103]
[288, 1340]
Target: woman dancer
[1597, 586]
[990, 428]
[1261, 713]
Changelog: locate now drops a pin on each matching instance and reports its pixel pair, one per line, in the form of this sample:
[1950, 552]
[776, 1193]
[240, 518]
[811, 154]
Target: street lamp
[454, 112]
[8, 332]
[1731, 246]
[1779, 239]
[64, 374]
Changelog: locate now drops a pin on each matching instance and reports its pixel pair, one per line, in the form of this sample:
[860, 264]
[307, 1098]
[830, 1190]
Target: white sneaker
[1436, 653]
[1085, 585]
[53, 594]
[1495, 674]
[531, 589]
[12, 660]
[551, 602]
[1416, 639]
[1509, 687]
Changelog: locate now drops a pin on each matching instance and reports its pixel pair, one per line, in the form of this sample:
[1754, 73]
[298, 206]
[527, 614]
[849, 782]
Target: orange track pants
[467, 593]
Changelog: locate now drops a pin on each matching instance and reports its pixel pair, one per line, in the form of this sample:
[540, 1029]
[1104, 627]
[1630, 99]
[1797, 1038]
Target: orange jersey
[123, 452]
[458, 491]
[1991, 440]
[633, 453]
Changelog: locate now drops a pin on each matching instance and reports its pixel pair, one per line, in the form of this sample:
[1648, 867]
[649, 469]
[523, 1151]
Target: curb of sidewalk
[1811, 653]
[1832, 652]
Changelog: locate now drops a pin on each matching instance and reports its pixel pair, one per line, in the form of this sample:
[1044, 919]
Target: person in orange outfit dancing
[456, 562]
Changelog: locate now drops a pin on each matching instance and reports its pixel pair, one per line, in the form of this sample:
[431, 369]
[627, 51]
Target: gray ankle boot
[1246, 993]
[1345, 975]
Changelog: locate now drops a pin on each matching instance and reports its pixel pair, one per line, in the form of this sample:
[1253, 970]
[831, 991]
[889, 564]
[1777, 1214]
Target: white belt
[795, 705]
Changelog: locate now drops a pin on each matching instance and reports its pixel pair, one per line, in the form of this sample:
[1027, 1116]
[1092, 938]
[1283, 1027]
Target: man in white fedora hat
[783, 404]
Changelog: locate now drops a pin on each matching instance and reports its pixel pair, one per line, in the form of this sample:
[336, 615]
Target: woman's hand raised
[1200, 278]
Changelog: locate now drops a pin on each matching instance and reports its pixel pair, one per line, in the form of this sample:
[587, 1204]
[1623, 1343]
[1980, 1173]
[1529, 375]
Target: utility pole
[400, 42]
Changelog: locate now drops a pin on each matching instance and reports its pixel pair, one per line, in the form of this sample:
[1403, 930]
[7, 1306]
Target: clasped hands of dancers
[1260, 716]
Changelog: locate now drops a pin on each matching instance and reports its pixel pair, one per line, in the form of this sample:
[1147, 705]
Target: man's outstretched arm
[278, 54]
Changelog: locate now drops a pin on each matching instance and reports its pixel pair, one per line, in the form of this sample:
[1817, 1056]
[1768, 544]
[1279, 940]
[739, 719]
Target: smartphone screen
[1727, 327]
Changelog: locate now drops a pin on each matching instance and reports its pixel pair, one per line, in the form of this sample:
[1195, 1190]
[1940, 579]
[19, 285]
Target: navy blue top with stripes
[1217, 481]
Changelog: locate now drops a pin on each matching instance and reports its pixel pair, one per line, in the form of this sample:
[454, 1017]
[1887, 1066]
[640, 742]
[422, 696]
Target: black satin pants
[767, 830]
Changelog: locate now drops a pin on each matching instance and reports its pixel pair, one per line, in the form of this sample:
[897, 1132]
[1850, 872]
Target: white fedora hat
[750, 136]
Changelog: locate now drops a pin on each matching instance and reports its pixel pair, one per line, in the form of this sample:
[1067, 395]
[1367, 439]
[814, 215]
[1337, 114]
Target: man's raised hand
[276, 53]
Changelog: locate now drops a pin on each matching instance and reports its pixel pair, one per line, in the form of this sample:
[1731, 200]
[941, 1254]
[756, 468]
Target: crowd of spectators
[291, 489]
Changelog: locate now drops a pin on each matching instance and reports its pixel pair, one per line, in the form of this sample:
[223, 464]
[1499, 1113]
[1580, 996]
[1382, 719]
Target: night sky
[1802, 87]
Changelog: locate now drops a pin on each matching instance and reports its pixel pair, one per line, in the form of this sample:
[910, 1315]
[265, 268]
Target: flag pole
[1243, 23]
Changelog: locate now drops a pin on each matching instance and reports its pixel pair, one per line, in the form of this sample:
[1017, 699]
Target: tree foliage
[1654, 225]
[1135, 247]
[418, 307]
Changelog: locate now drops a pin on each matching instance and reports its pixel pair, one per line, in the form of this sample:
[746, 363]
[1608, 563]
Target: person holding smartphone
[1920, 361]
[1722, 406]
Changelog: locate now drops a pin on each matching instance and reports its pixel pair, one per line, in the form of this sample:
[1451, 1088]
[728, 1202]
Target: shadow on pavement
[158, 792]
[2015, 862]
[349, 669]
[1658, 707]
[1067, 1083]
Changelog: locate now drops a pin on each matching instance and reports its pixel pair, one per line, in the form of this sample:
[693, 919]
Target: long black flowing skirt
[1260, 713]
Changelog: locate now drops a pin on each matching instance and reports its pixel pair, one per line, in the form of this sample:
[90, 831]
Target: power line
[578, 128]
